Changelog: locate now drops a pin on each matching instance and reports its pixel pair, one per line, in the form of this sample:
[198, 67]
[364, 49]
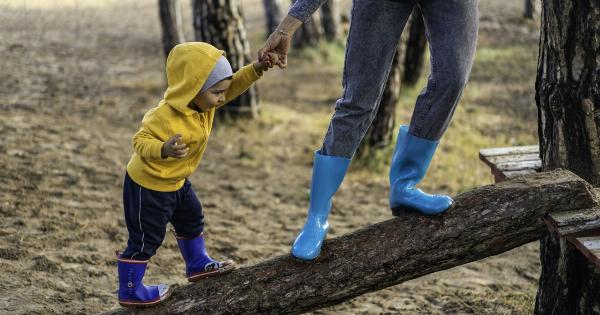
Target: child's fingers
[180, 153]
[177, 147]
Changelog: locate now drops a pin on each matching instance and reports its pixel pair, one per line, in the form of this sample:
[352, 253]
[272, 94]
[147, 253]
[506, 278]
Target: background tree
[330, 19]
[416, 44]
[221, 23]
[567, 94]
[529, 9]
[171, 24]
[273, 14]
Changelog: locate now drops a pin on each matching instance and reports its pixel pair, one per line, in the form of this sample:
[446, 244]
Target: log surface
[484, 222]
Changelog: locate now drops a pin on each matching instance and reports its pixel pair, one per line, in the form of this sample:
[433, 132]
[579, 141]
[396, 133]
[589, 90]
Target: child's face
[212, 97]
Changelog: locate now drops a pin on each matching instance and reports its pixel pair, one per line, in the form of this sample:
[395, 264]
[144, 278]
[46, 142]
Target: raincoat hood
[188, 67]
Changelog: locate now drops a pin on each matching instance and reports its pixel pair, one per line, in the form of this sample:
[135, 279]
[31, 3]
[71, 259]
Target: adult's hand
[279, 41]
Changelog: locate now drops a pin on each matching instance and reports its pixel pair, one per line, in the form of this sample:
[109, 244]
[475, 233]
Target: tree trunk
[273, 14]
[221, 23]
[170, 21]
[381, 132]
[415, 48]
[330, 19]
[529, 10]
[567, 91]
[309, 34]
[485, 221]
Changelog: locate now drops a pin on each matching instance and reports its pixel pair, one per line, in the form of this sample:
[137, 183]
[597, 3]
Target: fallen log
[484, 222]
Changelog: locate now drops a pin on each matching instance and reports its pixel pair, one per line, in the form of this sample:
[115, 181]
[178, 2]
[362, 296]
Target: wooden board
[581, 227]
[588, 246]
[509, 162]
[581, 222]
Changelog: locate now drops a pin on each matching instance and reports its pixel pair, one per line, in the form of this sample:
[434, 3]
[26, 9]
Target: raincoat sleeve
[240, 82]
[147, 142]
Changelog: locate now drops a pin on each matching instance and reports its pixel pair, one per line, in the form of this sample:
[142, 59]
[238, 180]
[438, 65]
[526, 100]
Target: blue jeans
[147, 213]
[375, 31]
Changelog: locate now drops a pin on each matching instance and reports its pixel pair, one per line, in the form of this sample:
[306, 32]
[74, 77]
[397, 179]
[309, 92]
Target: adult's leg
[374, 33]
[452, 34]
[452, 27]
[146, 216]
[375, 30]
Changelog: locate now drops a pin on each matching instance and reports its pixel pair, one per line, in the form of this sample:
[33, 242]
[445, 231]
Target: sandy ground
[77, 78]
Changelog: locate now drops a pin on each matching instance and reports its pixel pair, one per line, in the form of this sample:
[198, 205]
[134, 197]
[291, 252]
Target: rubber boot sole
[304, 260]
[133, 304]
[228, 267]
[400, 210]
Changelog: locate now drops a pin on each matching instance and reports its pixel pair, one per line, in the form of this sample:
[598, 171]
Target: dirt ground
[79, 74]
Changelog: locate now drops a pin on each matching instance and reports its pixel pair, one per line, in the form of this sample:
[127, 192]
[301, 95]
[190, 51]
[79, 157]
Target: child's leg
[147, 213]
[189, 225]
[188, 219]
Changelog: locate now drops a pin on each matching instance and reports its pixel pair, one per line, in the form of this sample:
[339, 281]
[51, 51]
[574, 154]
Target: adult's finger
[282, 61]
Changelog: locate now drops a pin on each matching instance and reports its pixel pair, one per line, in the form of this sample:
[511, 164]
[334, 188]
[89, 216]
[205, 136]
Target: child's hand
[266, 62]
[171, 148]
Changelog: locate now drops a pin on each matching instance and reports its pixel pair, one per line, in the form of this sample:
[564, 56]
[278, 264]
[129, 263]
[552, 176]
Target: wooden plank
[513, 174]
[513, 158]
[526, 149]
[588, 246]
[576, 222]
[509, 162]
[581, 227]
[519, 166]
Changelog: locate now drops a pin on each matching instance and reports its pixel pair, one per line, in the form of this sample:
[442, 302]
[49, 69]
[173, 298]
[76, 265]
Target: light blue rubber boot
[409, 164]
[328, 174]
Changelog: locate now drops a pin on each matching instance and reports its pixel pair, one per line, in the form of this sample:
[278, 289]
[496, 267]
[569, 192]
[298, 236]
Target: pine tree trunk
[529, 9]
[221, 23]
[567, 92]
[309, 34]
[170, 21]
[330, 19]
[273, 14]
[381, 131]
[415, 48]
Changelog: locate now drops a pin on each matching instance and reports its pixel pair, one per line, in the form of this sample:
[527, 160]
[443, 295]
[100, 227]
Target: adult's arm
[304, 9]
[279, 41]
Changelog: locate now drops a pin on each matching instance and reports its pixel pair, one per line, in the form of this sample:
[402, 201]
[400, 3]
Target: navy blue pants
[147, 213]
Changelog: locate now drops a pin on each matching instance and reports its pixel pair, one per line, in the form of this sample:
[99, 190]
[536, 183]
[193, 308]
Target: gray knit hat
[220, 72]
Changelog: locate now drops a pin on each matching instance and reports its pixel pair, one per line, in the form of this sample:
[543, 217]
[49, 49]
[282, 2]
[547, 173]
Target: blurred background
[78, 75]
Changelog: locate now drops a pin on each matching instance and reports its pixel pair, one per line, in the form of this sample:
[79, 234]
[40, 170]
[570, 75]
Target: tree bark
[567, 91]
[330, 19]
[309, 34]
[529, 10]
[221, 23]
[486, 221]
[273, 15]
[171, 24]
[381, 131]
[415, 48]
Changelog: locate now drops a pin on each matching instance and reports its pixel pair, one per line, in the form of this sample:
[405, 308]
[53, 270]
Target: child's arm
[245, 77]
[147, 141]
[241, 81]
